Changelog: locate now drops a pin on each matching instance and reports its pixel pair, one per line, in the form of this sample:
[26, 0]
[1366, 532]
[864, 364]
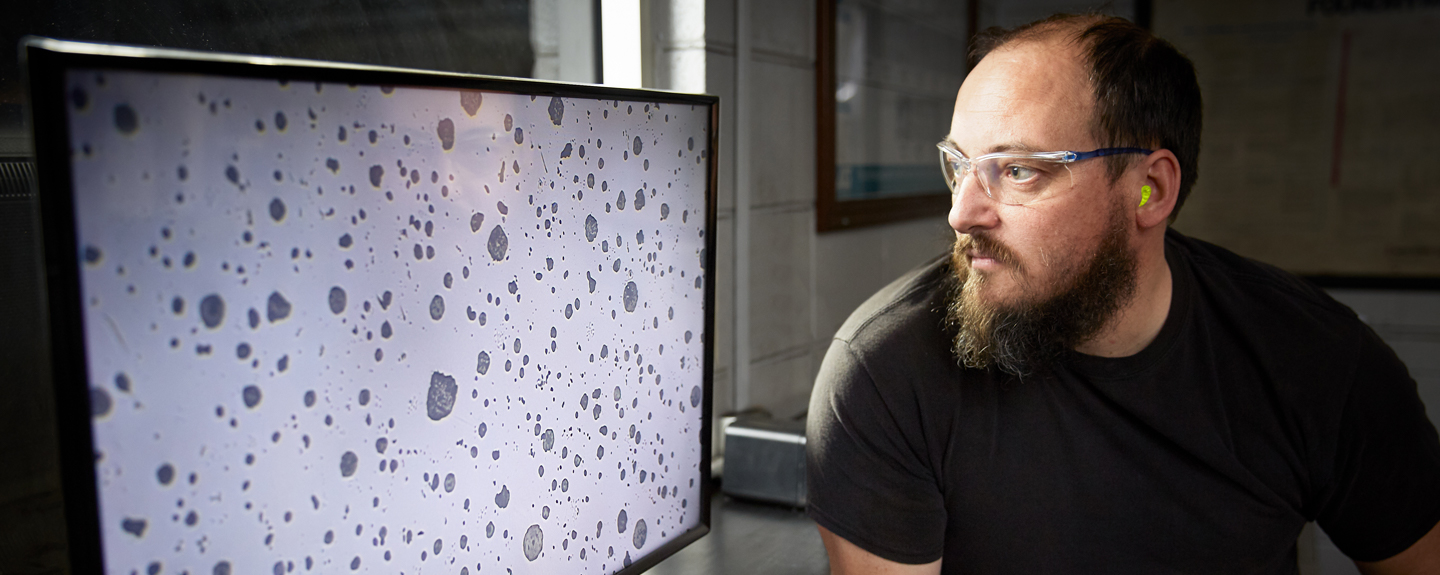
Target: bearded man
[1079, 389]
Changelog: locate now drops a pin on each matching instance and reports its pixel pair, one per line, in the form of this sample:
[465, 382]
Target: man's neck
[1138, 322]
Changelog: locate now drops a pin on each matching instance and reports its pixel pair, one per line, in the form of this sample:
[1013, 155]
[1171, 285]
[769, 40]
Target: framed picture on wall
[887, 74]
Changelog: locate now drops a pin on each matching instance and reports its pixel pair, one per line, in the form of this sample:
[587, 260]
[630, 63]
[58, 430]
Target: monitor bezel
[46, 61]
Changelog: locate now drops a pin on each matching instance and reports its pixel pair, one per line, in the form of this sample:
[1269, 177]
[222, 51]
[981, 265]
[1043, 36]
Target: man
[1079, 389]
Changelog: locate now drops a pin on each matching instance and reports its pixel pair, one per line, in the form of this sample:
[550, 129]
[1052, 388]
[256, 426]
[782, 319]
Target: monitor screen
[341, 319]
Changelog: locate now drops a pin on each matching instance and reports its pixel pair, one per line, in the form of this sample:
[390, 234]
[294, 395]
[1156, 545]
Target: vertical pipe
[742, 204]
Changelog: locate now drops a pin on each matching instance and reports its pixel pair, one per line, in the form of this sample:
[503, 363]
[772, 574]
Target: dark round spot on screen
[498, 244]
[470, 101]
[100, 402]
[341, 135]
[621, 521]
[482, 365]
[374, 136]
[233, 174]
[182, 173]
[212, 310]
[639, 200]
[333, 164]
[519, 135]
[385, 330]
[640, 533]
[437, 308]
[696, 395]
[385, 300]
[277, 209]
[348, 462]
[221, 568]
[126, 121]
[557, 110]
[337, 300]
[477, 219]
[440, 400]
[445, 130]
[134, 526]
[165, 474]
[509, 123]
[637, 145]
[79, 98]
[280, 121]
[376, 173]
[364, 398]
[177, 305]
[631, 297]
[381, 444]
[251, 396]
[346, 241]
[276, 307]
[592, 228]
[534, 542]
[310, 398]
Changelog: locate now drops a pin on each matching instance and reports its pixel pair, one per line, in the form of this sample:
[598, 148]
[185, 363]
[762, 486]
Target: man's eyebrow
[1012, 147]
[1005, 147]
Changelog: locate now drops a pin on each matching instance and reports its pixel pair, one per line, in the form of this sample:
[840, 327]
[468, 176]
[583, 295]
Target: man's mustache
[981, 245]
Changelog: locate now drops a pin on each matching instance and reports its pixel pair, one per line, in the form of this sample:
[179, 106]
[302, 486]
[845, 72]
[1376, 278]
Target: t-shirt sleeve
[866, 471]
[1384, 492]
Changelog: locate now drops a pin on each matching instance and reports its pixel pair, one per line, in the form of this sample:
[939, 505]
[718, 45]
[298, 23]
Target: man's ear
[1158, 190]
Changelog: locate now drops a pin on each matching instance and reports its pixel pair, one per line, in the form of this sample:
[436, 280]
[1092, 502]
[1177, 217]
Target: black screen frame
[46, 61]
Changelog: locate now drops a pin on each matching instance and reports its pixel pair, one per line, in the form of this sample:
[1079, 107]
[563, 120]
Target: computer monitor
[314, 317]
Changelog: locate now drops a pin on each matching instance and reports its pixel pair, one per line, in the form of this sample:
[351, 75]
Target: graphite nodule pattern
[322, 232]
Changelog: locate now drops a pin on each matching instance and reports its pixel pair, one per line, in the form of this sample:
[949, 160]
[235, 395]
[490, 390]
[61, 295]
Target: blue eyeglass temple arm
[1077, 156]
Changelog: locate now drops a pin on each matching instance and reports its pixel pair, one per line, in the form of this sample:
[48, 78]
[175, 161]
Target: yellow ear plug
[1144, 194]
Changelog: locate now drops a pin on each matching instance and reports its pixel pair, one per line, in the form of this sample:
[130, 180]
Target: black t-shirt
[1261, 404]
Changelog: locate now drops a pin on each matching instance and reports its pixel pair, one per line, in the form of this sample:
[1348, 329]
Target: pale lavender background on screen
[337, 329]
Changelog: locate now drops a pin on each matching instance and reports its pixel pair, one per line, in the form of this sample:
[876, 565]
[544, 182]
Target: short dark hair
[1146, 94]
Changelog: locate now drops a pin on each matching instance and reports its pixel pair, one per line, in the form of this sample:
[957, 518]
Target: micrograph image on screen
[346, 328]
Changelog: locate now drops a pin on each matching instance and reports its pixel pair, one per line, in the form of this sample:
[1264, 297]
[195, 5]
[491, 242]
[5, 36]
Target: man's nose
[971, 208]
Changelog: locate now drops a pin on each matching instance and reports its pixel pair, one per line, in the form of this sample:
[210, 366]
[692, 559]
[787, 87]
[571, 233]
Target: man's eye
[1019, 173]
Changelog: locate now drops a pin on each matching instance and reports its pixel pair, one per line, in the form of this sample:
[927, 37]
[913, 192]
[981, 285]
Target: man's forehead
[1026, 96]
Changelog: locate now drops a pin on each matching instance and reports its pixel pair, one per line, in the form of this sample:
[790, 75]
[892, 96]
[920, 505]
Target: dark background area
[472, 36]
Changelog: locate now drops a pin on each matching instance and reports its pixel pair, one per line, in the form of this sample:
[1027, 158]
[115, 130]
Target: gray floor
[750, 537]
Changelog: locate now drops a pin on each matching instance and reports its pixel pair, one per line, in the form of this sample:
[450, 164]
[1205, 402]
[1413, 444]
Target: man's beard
[1036, 331]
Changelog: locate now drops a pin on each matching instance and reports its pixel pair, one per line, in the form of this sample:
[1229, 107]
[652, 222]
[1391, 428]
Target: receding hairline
[1069, 29]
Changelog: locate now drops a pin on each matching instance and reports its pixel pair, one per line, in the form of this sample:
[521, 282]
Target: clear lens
[1013, 179]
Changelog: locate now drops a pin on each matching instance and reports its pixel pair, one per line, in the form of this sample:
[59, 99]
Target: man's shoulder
[1232, 280]
[916, 296]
